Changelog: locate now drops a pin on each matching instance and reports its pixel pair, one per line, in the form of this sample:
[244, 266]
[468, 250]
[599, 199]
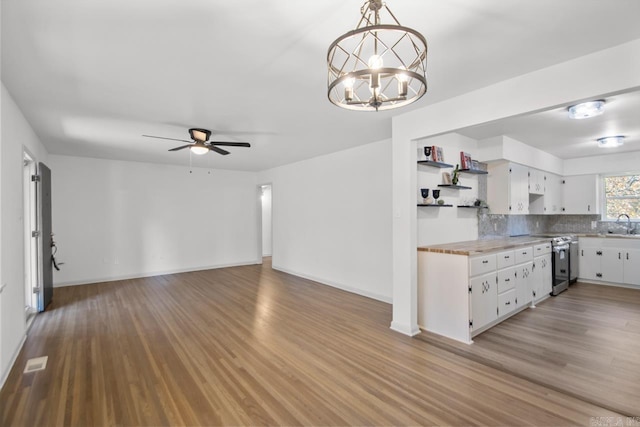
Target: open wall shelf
[454, 187]
[473, 171]
[432, 164]
[434, 205]
[472, 207]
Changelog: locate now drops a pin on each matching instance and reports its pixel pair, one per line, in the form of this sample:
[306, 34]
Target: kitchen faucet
[629, 229]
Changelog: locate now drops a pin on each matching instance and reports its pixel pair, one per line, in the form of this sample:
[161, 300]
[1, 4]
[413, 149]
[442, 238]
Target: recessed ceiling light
[611, 141]
[586, 109]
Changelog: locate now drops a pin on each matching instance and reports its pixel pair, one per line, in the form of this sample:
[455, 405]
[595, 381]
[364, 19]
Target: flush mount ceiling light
[586, 109]
[610, 141]
[377, 66]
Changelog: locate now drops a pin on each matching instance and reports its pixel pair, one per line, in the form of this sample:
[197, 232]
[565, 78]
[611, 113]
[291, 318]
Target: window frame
[603, 198]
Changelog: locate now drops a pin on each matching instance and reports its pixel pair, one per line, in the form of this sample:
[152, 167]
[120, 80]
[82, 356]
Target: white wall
[116, 219]
[16, 134]
[561, 84]
[332, 221]
[266, 221]
[506, 148]
[443, 225]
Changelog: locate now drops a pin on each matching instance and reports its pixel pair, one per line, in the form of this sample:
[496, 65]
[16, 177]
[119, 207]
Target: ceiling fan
[201, 144]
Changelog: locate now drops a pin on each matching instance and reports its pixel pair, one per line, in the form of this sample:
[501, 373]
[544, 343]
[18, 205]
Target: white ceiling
[554, 132]
[93, 76]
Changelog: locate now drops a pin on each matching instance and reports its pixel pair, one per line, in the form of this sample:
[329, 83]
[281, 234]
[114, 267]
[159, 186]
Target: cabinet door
[631, 268]
[484, 300]
[524, 280]
[536, 182]
[552, 194]
[580, 195]
[589, 264]
[611, 268]
[542, 278]
[519, 189]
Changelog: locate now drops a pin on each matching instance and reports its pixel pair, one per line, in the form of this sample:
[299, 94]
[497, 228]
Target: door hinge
[35, 233]
[36, 290]
[470, 291]
[35, 178]
[471, 323]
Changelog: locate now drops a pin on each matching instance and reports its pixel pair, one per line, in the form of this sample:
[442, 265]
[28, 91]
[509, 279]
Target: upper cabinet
[536, 181]
[508, 188]
[580, 195]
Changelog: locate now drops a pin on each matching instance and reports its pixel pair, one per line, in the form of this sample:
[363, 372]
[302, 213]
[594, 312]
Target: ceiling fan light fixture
[379, 65]
[199, 134]
[611, 141]
[199, 149]
[586, 110]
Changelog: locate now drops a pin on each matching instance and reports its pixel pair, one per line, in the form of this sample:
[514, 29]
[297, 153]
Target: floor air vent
[36, 364]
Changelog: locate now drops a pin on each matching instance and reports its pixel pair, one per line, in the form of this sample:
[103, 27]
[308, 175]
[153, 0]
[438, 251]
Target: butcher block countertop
[478, 247]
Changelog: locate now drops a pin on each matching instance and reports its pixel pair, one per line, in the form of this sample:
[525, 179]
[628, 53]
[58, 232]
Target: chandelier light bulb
[375, 62]
[348, 83]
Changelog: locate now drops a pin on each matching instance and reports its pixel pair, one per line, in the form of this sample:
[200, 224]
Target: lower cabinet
[542, 277]
[460, 296]
[610, 260]
[484, 300]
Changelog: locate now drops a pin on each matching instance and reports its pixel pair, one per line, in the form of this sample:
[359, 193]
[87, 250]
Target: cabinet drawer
[506, 279]
[542, 249]
[482, 264]
[524, 254]
[506, 302]
[505, 259]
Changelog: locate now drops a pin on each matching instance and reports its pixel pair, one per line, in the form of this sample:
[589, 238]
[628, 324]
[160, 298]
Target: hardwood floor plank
[254, 346]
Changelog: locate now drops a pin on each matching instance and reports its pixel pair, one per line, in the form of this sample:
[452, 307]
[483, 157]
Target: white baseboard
[615, 285]
[150, 274]
[405, 329]
[341, 286]
[5, 374]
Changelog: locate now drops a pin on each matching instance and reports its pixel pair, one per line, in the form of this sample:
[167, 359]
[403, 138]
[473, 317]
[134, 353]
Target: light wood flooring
[585, 343]
[253, 346]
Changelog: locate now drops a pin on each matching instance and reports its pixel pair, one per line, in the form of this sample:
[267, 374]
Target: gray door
[46, 288]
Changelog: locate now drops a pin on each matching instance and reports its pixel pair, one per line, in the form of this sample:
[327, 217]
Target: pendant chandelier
[377, 66]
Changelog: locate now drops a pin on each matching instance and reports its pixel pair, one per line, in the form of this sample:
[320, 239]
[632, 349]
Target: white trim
[5, 374]
[341, 286]
[150, 274]
[405, 329]
[615, 285]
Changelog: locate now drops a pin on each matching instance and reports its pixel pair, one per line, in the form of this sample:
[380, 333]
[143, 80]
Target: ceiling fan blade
[181, 147]
[162, 137]
[230, 144]
[218, 150]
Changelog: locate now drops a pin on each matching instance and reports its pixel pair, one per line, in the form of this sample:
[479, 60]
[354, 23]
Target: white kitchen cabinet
[542, 277]
[484, 300]
[536, 182]
[524, 284]
[631, 267]
[508, 188]
[552, 194]
[580, 195]
[611, 260]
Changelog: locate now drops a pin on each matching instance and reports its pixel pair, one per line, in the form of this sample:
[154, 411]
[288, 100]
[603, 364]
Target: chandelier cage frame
[377, 66]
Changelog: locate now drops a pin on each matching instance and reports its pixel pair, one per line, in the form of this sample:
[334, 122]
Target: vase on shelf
[456, 172]
[424, 192]
[436, 195]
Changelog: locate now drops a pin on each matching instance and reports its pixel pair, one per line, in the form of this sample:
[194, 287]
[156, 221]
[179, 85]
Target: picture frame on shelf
[446, 178]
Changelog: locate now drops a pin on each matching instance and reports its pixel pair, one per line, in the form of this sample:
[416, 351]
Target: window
[622, 196]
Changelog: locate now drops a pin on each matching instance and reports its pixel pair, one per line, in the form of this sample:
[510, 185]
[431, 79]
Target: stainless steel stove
[561, 262]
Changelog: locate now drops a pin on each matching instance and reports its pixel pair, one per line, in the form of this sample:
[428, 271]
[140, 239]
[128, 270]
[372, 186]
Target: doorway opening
[32, 271]
[266, 223]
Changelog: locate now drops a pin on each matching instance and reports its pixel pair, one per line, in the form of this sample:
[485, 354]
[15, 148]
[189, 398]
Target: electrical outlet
[495, 227]
[594, 224]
